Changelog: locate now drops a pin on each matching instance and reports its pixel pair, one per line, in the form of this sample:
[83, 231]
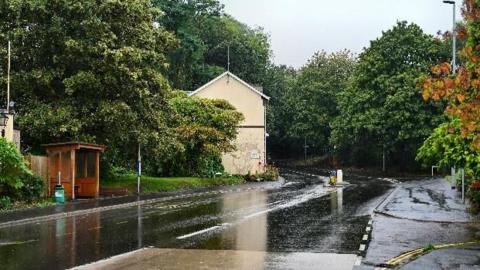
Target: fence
[39, 166]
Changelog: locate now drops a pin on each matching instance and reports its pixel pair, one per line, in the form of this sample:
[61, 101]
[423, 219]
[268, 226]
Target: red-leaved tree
[462, 90]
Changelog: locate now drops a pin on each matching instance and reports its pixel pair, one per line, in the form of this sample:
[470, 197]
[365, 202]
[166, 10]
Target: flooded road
[302, 216]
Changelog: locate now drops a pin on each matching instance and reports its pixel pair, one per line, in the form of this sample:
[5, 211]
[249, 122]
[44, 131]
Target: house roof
[228, 73]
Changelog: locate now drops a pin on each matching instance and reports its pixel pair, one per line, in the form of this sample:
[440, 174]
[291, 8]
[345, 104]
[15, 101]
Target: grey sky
[298, 28]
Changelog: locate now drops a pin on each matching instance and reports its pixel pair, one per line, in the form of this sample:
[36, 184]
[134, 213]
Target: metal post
[8, 79]
[454, 38]
[228, 58]
[305, 151]
[433, 167]
[139, 174]
[383, 158]
[454, 45]
[454, 178]
[463, 185]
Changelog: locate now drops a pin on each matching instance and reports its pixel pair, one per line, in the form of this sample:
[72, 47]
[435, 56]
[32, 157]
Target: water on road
[302, 216]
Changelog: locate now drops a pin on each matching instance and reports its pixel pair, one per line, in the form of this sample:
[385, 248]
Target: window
[80, 160]
[91, 164]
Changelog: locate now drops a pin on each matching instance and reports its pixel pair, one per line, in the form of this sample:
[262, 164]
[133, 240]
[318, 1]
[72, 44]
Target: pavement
[181, 259]
[418, 214]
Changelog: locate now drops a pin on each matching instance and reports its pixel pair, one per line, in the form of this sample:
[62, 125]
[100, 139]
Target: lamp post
[454, 38]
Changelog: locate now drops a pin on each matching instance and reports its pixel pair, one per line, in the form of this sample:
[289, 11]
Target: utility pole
[454, 37]
[228, 58]
[8, 79]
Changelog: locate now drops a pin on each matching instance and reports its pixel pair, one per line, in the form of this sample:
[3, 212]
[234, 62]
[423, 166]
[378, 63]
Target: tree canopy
[100, 72]
[380, 110]
[205, 32]
[460, 91]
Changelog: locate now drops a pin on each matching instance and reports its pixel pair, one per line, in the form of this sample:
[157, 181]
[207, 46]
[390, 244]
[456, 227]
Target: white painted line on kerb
[362, 247]
[201, 232]
[365, 237]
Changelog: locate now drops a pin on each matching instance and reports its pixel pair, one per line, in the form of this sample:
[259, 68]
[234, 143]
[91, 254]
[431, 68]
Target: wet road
[302, 216]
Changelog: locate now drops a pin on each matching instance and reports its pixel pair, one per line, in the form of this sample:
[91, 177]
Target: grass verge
[154, 184]
[39, 203]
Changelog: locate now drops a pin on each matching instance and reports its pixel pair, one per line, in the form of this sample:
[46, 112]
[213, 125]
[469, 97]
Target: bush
[5, 203]
[474, 194]
[17, 182]
[32, 188]
[270, 174]
[12, 167]
[211, 166]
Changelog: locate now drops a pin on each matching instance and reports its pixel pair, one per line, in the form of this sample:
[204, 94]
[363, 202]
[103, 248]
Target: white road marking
[202, 231]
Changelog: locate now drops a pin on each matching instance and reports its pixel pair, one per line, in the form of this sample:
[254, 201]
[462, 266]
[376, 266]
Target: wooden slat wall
[39, 166]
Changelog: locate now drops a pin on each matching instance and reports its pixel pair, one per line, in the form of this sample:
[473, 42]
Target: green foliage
[90, 71]
[205, 32]
[446, 148]
[16, 180]
[271, 174]
[205, 128]
[381, 109]
[156, 184]
[5, 203]
[304, 101]
[314, 101]
[278, 84]
[32, 189]
[12, 168]
[428, 248]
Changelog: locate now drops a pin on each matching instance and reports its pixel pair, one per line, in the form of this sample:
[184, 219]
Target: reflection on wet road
[302, 216]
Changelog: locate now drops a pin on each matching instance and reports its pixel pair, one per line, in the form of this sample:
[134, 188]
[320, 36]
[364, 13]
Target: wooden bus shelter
[76, 166]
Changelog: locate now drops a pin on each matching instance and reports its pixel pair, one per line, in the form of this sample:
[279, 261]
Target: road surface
[302, 218]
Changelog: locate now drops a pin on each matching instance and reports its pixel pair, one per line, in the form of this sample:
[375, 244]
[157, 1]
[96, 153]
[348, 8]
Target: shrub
[12, 167]
[16, 180]
[32, 188]
[270, 174]
[474, 193]
[5, 203]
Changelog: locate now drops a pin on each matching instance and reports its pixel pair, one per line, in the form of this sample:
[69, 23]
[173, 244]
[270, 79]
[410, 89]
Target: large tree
[461, 91]
[380, 111]
[313, 97]
[89, 70]
[205, 32]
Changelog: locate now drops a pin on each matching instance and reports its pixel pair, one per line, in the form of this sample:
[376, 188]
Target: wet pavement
[180, 259]
[420, 213]
[301, 217]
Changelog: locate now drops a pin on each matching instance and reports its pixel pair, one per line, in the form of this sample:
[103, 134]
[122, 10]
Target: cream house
[250, 155]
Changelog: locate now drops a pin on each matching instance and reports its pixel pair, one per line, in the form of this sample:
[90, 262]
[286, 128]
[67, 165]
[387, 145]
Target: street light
[454, 38]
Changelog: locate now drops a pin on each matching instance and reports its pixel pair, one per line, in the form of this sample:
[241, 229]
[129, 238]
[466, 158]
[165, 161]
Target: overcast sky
[298, 28]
